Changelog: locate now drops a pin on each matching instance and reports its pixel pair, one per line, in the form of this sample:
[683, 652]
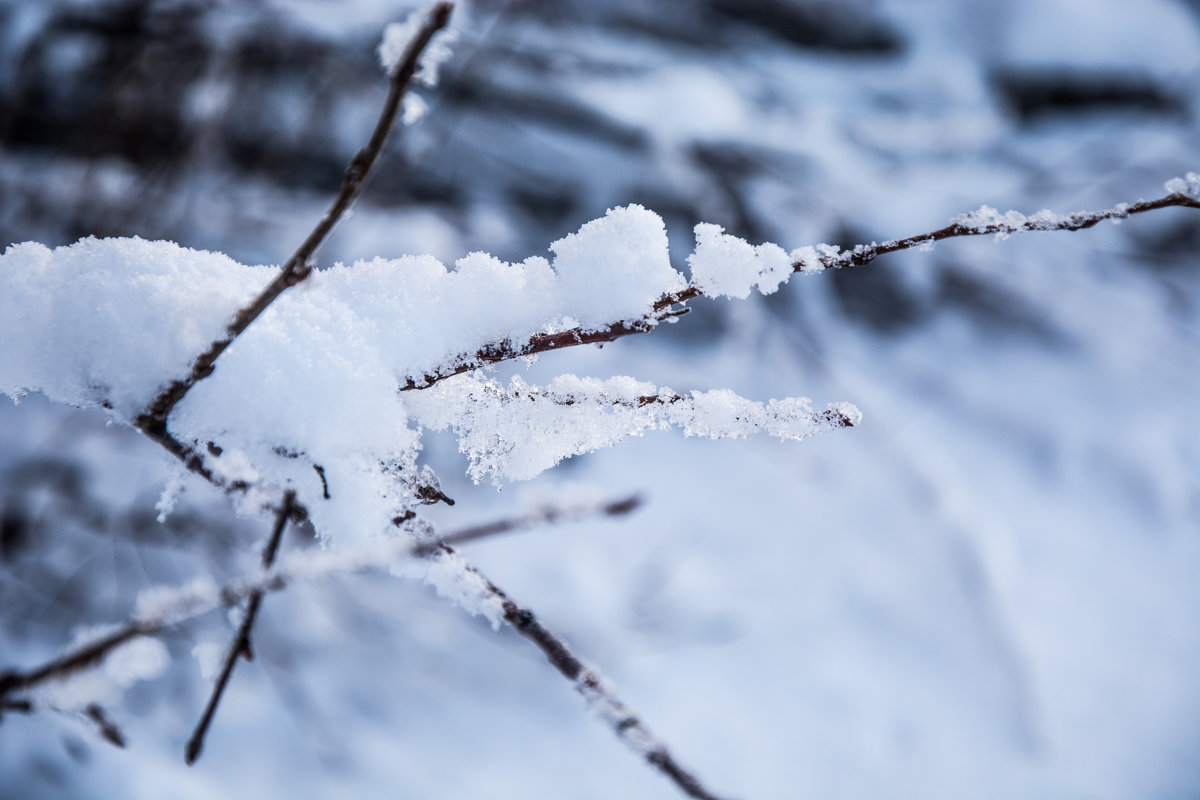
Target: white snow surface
[727, 266]
[1188, 184]
[307, 395]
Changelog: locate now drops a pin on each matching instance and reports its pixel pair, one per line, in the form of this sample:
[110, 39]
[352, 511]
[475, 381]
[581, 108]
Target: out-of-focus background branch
[989, 583]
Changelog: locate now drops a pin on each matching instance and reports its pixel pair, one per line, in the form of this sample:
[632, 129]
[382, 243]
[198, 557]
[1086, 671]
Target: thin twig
[107, 729]
[664, 308]
[189, 604]
[542, 516]
[627, 725]
[865, 254]
[240, 646]
[81, 658]
[153, 421]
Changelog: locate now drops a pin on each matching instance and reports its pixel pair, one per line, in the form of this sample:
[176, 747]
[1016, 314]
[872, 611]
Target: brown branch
[107, 729]
[627, 725]
[67, 664]
[542, 516]
[93, 653]
[624, 723]
[862, 255]
[153, 421]
[664, 307]
[240, 646]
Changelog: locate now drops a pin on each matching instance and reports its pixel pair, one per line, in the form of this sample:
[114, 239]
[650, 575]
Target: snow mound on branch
[1189, 185]
[307, 396]
[725, 265]
[110, 321]
[395, 43]
[615, 267]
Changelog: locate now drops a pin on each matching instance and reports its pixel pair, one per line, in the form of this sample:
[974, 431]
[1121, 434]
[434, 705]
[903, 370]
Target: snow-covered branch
[153, 421]
[521, 430]
[323, 394]
[724, 265]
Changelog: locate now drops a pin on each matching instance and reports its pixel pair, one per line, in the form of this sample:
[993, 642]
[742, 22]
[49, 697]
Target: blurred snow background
[987, 589]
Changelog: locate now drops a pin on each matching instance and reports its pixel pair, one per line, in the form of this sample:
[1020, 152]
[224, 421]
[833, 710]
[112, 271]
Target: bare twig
[865, 254]
[19, 706]
[84, 657]
[664, 308]
[107, 729]
[189, 605]
[542, 516]
[240, 646]
[626, 724]
[153, 421]
[188, 602]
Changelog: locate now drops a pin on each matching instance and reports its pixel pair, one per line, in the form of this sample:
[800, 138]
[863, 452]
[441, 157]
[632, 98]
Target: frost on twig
[314, 380]
[600, 696]
[518, 431]
[724, 265]
[988, 221]
[542, 515]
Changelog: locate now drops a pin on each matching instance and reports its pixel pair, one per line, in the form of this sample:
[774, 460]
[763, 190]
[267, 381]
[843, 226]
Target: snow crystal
[436, 53]
[109, 321]
[987, 219]
[209, 656]
[615, 267]
[307, 396]
[816, 258]
[454, 579]
[414, 109]
[160, 604]
[1188, 185]
[141, 659]
[395, 41]
[169, 497]
[396, 37]
[517, 432]
[724, 265]
[1048, 220]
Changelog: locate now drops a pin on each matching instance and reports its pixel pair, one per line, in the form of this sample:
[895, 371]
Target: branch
[153, 422]
[979, 223]
[546, 342]
[987, 221]
[187, 603]
[107, 729]
[84, 657]
[626, 724]
[547, 515]
[172, 607]
[240, 646]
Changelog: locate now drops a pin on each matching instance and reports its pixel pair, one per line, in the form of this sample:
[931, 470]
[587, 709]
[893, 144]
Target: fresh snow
[313, 382]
